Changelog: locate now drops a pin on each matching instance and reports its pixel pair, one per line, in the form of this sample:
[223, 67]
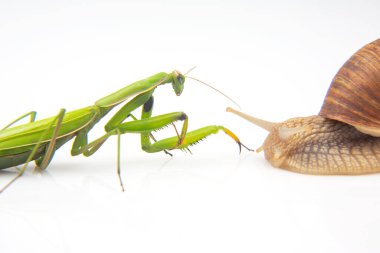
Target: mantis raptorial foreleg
[46, 158]
[181, 141]
[32, 115]
[152, 136]
[148, 124]
[146, 113]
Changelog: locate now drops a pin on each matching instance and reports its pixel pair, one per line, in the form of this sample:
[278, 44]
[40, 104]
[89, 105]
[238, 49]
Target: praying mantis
[38, 140]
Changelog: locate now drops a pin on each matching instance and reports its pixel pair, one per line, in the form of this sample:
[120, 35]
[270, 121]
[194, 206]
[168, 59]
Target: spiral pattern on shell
[354, 93]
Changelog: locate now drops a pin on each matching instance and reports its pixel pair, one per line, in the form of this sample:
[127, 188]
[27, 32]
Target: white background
[276, 58]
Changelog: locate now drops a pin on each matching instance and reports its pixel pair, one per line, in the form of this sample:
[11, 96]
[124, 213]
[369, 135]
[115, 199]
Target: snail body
[344, 138]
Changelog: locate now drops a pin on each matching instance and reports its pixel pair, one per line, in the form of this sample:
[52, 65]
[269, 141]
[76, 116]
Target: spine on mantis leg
[192, 138]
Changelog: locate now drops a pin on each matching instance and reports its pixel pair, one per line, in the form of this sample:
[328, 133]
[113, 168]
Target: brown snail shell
[354, 94]
[341, 140]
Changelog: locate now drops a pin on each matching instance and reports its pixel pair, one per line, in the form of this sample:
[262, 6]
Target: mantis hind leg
[44, 161]
[31, 114]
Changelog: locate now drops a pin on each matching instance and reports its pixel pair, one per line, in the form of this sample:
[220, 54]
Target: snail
[344, 138]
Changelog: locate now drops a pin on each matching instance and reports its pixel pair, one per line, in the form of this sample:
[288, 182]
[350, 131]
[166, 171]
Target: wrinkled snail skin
[341, 140]
[320, 146]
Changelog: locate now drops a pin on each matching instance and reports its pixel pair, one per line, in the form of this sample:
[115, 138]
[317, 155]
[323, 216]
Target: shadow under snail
[343, 139]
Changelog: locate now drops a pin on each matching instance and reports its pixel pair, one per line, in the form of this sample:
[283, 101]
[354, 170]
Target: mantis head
[178, 82]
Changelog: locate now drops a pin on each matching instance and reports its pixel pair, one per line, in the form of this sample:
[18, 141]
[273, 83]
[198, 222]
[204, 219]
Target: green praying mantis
[38, 140]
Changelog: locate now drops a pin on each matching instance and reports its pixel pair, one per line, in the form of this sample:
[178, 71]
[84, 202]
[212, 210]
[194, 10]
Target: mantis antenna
[215, 89]
[190, 70]
[208, 85]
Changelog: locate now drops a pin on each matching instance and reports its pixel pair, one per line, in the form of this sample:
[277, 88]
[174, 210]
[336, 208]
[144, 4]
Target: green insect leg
[44, 161]
[152, 136]
[147, 125]
[183, 141]
[170, 118]
[190, 139]
[49, 151]
[137, 126]
[126, 110]
[32, 115]
[81, 145]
